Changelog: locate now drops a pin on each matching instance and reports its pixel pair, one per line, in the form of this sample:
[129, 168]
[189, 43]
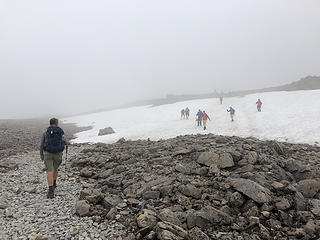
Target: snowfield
[286, 116]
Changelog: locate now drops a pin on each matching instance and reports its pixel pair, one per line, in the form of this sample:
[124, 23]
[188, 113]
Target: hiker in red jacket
[205, 118]
[187, 111]
[259, 104]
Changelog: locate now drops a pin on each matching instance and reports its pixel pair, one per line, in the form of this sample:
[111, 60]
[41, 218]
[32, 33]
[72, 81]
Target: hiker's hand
[42, 158]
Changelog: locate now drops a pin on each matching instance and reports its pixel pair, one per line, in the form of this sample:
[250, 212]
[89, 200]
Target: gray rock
[166, 215]
[252, 190]
[206, 217]
[151, 195]
[85, 172]
[107, 173]
[106, 131]
[300, 201]
[224, 160]
[283, 204]
[315, 207]
[190, 191]
[208, 158]
[181, 168]
[166, 231]
[309, 187]
[196, 234]
[82, 208]
[236, 200]
[147, 219]
[112, 213]
[251, 157]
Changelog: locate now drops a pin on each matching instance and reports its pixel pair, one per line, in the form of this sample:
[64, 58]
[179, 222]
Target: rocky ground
[22, 136]
[191, 187]
[26, 213]
[202, 187]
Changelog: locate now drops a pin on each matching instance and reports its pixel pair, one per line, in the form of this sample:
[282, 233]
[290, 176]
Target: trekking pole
[65, 164]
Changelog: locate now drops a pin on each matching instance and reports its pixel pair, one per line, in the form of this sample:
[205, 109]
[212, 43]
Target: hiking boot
[54, 184]
[50, 194]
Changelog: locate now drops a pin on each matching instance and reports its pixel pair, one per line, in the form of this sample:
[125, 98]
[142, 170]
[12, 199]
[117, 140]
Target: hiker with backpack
[205, 118]
[183, 114]
[53, 143]
[232, 112]
[221, 99]
[259, 104]
[199, 117]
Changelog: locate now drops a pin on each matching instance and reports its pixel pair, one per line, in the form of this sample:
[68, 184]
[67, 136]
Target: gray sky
[73, 56]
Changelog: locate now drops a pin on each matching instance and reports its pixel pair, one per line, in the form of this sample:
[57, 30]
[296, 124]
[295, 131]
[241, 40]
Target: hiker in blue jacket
[199, 117]
[232, 112]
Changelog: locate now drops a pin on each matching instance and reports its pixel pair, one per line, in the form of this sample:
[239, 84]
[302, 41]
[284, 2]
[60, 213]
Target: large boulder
[206, 217]
[309, 187]
[82, 208]
[106, 131]
[223, 160]
[252, 190]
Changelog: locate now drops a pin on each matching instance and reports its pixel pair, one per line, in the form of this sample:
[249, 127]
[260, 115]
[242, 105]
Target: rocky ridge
[202, 187]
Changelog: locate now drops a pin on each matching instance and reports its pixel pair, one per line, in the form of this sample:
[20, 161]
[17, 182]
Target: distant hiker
[221, 99]
[199, 117]
[205, 118]
[52, 145]
[187, 111]
[182, 114]
[259, 104]
[232, 112]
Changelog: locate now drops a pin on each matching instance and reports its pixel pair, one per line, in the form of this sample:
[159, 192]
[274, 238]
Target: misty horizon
[64, 58]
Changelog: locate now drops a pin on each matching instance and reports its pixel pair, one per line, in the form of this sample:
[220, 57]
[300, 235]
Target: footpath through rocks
[202, 187]
[25, 211]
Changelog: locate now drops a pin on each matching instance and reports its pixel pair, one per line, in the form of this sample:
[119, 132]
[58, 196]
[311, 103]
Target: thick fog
[64, 57]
